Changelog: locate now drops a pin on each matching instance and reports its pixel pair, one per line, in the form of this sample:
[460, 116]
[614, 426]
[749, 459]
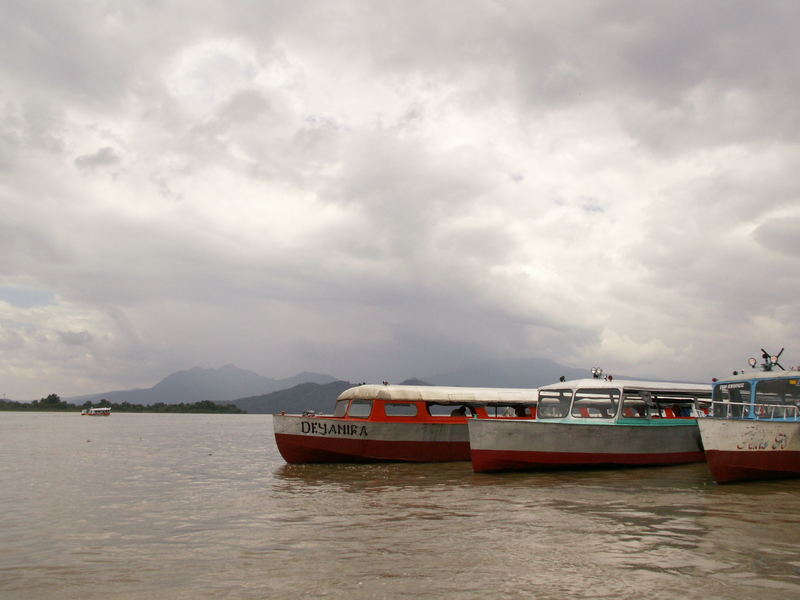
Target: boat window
[448, 410]
[777, 398]
[595, 403]
[341, 408]
[360, 409]
[636, 404]
[515, 410]
[400, 410]
[553, 404]
[731, 399]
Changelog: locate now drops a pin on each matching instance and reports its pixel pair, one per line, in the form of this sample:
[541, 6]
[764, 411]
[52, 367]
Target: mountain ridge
[230, 383]
[222, 384]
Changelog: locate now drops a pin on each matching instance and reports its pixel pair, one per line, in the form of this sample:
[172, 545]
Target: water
[202, 506]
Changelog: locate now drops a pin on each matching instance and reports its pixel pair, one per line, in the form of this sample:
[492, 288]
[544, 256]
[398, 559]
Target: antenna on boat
[771, 360]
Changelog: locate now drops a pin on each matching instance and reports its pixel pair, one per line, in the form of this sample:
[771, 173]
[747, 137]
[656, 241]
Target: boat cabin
[621, 400]
[394, 403]
[772, 395]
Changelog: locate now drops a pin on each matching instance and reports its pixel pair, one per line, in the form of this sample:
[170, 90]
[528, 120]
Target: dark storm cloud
[75, 338]
[104, 157]
[781, 236]
[387, 189]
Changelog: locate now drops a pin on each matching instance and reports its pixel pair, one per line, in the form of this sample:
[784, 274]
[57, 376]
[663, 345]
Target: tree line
[54, 403]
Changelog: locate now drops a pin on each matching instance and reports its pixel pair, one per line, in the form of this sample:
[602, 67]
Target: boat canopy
[759, 375]
[631, 384]
[442, 394]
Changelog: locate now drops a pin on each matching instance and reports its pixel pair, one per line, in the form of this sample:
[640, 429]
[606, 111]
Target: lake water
[202, 506]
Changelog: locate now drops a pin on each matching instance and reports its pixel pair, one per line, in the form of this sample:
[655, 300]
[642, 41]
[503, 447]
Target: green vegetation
[204, 406]
[54, 403]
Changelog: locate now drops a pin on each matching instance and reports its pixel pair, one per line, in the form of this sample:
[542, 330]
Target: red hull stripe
[742, 465]
[510, 460]
[300, 449]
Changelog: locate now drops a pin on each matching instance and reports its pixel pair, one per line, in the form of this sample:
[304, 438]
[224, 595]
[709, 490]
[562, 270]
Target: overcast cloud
[380, 190]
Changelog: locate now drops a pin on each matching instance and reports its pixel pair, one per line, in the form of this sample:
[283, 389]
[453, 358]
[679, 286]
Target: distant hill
[197, 384]
[305, 396]
[414, 381]
[518, 373]
[230, 383]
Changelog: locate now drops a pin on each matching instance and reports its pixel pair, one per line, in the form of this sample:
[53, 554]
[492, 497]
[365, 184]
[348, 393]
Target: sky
[388, 189]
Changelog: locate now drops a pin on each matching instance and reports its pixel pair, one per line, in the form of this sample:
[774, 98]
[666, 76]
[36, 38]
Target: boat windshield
[777, 398]
[731, 399]
[361, 409]
[341, 408]
[553, 404]
[595, 403]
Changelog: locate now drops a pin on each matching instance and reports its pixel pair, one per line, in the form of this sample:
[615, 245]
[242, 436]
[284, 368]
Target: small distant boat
[753, 429]
[381, 423]
[102, 411]
[596, 422]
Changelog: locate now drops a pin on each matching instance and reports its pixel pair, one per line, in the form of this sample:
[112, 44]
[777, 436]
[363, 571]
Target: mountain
[230, 383]
[522, 373]
[517, 373]
[414, 381]
[218, 385]
[305, 396]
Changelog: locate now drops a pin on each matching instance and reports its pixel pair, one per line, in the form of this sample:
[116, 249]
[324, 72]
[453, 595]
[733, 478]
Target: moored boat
[596, 422]
[753, 429]
[100, 411]
[374, 423]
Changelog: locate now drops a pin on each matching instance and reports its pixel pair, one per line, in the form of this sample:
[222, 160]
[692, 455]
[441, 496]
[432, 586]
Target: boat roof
[631, 384]
[750, 375]
[441, 394]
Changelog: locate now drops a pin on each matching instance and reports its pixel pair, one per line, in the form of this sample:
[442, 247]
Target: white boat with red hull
[100, 411]
[374, 423]
[753, 430]
[595, 422]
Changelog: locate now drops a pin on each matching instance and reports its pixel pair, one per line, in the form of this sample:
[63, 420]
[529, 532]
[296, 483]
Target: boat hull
[742, 450]
[530, 445]
[327, 439]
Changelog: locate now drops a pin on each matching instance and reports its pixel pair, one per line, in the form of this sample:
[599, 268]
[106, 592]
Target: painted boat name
[779, 443]
[320, 428]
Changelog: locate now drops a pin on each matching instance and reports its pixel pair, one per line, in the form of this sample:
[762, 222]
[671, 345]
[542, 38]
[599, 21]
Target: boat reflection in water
[373, 423]
[753, 431]
[596, 422]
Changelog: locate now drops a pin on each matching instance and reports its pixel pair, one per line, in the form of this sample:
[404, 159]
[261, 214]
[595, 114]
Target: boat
[382, 423]
[753, 428]
[100, 411]
[594, 422]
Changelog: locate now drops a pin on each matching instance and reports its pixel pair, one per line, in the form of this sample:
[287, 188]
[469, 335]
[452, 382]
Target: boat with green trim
[595, 422]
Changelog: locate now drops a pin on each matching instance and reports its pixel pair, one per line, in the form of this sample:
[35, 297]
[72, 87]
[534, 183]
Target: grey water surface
[202, 506]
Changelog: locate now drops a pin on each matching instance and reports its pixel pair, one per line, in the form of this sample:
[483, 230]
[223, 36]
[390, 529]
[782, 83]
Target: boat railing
[745, 410]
